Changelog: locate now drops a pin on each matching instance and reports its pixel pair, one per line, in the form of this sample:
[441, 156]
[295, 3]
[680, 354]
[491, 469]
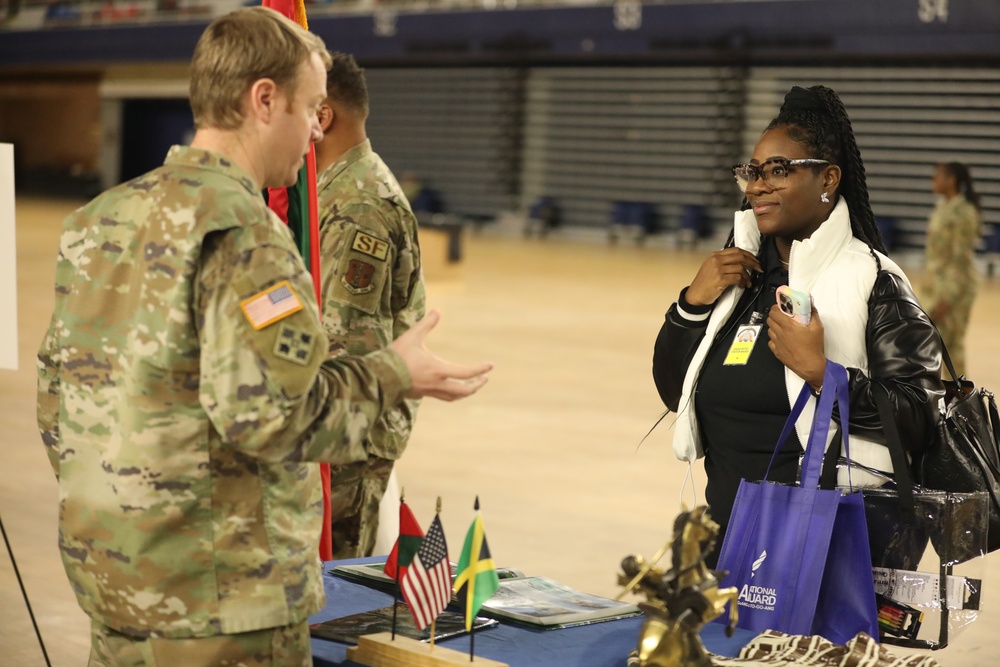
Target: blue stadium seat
[694, 219]
[636, 218]
[992, 239]
[544, 215]
[427, 201]
[887, 228]
[991, 247]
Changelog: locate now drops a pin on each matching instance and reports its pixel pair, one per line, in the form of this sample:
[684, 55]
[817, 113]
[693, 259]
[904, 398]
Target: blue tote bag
[799, 554]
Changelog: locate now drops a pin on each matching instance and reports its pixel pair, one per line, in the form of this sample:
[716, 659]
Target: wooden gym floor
[551, 445]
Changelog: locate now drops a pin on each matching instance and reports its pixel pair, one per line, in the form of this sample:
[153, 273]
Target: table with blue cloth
[605, 644]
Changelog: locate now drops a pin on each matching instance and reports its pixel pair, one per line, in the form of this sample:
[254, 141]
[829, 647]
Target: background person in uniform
[807, 223]
[373, 288]
[950, 278]
[184, 384]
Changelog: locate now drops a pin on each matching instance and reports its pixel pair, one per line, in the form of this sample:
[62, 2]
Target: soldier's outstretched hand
[431, 375]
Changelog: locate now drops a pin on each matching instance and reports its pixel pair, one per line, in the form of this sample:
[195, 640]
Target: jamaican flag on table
[477, 578]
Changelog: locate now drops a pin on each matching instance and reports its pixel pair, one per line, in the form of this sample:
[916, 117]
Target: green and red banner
[297, 206]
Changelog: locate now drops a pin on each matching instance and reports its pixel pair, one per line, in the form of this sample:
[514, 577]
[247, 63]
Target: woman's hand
[721, 270]
[798, 346]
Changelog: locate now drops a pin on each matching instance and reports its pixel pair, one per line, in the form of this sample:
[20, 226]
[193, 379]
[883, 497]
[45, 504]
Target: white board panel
[8, 261]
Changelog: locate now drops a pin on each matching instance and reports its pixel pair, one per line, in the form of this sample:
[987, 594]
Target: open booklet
[535, 601]
[347, 629]
[545, 602]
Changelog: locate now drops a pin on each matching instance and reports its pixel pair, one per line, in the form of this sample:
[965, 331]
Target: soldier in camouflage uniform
[373, 289]
[184, 380]
[950, 278]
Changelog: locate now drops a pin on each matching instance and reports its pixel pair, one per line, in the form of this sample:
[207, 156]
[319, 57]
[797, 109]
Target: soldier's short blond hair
[240, 48]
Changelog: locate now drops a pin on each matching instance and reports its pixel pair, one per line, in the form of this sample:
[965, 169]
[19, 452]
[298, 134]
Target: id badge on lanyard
[744, 340]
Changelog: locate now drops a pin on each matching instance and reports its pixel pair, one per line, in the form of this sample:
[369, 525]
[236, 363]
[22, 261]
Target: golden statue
[680, 600]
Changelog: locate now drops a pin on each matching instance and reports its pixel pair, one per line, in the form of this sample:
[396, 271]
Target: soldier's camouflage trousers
[286, 646]
[953, 327]
[356, 491]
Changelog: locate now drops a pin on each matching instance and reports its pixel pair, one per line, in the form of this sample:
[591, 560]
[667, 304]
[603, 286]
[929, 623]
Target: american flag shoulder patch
[272, 305]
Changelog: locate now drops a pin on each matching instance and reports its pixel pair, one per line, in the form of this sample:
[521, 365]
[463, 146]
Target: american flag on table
[427, 583]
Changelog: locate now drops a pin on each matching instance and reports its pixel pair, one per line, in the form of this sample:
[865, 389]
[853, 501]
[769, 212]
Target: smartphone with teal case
[795, 304]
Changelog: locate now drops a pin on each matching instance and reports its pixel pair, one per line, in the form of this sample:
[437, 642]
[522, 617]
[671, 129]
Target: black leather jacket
[904, 354]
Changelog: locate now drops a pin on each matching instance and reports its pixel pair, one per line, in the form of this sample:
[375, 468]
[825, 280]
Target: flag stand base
[380, 650]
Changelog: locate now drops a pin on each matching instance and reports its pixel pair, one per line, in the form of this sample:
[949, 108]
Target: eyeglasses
[774, 172]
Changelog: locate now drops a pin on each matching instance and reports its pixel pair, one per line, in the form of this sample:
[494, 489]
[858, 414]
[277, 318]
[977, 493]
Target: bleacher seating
[638, 115]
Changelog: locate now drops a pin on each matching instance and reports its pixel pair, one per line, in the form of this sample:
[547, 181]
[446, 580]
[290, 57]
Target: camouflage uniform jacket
[950, 270]
[373, 288]
[183, 383]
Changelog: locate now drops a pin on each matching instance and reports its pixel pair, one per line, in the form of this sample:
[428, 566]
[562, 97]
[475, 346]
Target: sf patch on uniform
[364, 270]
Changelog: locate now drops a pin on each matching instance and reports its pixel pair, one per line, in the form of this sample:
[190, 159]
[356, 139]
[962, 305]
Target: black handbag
[949, 494]
[964, 456]
[956, 500]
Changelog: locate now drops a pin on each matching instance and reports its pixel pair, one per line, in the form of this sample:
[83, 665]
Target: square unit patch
[273, 304]
[293, 345]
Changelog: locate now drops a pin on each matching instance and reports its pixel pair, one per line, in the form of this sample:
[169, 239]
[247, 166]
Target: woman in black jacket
[808, 224]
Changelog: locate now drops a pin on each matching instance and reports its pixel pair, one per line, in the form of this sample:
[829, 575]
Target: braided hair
[963, 179]
[816, 118]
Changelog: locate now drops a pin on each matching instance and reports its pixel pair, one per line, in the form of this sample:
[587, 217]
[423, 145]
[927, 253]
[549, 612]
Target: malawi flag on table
[406, 546]
[298, 207]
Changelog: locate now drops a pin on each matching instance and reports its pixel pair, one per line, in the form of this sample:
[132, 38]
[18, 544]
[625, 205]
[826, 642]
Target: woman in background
[950, 276]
